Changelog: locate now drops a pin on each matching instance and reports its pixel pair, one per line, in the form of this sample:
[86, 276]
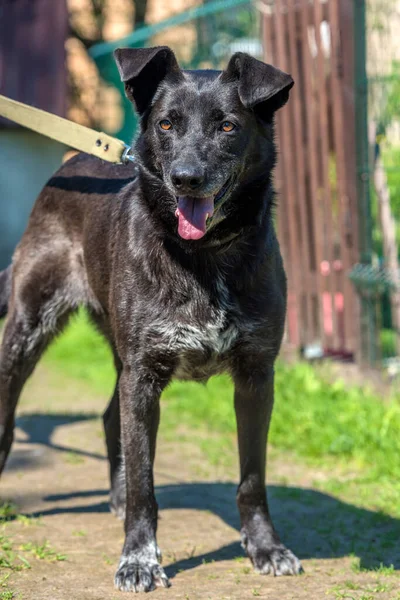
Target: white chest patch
[199, 342]
[215, 336]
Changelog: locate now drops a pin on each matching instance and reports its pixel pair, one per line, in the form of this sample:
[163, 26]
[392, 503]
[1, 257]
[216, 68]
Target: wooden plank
[292, 320]
[312, 161]
[299, 167]
[305, 130]
[339, 142]
[352, 311]
[287, 157]
[267, 7]
[325, 198]
[270, 56]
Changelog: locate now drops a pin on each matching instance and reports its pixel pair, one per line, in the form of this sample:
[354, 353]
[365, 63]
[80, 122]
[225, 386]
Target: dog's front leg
[139, 568]
[254, 398]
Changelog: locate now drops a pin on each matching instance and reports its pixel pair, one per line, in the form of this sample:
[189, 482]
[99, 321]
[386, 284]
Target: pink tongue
[192, 214]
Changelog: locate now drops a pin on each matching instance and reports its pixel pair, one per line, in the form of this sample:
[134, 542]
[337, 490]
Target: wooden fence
[316, 176]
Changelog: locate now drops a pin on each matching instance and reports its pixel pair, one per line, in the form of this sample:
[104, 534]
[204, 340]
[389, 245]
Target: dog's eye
[165, 124]
[227, 126]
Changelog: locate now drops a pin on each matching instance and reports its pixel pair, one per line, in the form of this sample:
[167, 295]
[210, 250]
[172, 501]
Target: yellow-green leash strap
[67, 132]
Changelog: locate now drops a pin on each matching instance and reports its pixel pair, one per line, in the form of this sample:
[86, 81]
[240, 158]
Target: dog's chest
[199, 335]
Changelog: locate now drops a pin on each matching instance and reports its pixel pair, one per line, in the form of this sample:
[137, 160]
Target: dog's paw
[277, 560]
[267, 553]
[140, 572]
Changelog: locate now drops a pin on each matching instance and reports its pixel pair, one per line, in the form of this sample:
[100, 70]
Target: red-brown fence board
[32, 53]
[317, 204]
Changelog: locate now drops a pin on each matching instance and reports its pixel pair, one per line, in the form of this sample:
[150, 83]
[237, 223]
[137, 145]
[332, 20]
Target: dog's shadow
[39, 429]
[313, 524]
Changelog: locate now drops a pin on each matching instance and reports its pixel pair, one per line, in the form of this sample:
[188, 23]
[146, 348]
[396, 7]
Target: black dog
[177, 261]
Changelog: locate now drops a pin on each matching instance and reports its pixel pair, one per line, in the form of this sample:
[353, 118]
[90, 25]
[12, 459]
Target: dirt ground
[58, 470]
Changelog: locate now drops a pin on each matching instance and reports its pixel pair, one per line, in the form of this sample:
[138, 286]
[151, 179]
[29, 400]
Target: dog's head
[204, 134]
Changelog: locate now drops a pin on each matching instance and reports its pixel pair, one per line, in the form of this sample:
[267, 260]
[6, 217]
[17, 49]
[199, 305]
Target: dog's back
[80, 199]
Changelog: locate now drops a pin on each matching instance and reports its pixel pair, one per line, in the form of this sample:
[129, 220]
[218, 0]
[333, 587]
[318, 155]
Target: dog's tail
[5, 290]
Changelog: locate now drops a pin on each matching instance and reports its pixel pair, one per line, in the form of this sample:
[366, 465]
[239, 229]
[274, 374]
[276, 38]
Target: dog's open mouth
[193, 213]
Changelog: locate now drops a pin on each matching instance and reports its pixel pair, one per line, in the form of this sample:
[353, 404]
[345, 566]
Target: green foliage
[388, 340]
[391, 106]
[385, 101]
[391, 161]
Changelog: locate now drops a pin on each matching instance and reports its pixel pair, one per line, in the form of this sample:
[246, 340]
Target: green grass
[5, 592]
[331, 424]
[82, 353]
[8, 510]
[74, 459]
[383, 570]
[43, 551]
[9, 559]
[312, 418]
[79, 533]
[28, 521]
[368, 590]
[12, 561]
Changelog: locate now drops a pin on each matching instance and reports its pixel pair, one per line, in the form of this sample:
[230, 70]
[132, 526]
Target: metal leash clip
[127, 155]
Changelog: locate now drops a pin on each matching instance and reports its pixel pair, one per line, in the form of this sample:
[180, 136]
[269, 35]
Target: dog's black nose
[187, 178]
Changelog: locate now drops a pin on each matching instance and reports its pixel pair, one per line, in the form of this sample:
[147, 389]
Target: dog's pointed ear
[261, 87]
[142, 70]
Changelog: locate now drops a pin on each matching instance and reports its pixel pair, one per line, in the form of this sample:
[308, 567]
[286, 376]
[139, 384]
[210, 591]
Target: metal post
[368, 316]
